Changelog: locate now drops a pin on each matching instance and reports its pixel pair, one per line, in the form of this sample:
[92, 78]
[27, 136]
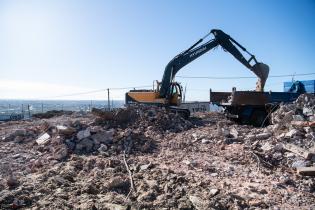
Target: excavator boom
[220, 39]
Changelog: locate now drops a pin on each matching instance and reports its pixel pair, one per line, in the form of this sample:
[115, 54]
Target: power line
[124, 88]
[97, 91]
[235, 77]
[75, 94]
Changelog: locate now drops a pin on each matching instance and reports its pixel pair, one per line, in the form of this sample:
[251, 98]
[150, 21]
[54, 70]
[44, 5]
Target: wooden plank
[298, 150]
[306, 171]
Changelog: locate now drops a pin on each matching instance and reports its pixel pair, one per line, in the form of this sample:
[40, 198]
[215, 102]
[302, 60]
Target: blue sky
[55, 47]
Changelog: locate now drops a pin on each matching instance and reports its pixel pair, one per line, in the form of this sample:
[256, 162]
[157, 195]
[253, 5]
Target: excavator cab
[175, 94]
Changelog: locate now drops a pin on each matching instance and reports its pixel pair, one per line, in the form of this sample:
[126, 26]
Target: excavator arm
[227, 43]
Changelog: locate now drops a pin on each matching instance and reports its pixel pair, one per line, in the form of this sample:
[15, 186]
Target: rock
[16, 156]
[307, 129]
[90, 188]
[214, 192]
[214, 174]
[267, 146]
[43, 139]
[145, 167]
[105, 137]
[300, 163]
[12, 182]
[197, 202]
[146, 196]
[153, 184]
[298, 118]
[190, 162]
[251, 137]
[70, 144]
[194, 135]
[292, 133]
[230, 140]
[83, 134]
[311, 118]
[280, 136]
[205, 141]
[85, 145]
[117, 182]
[67, 131]
[20, 132]
[19, 139]
[263, 136]
[112, 206]
[278, 147]
[307, 111]
[234, 133]
[60, 153]
[221, 131]
[103, 148]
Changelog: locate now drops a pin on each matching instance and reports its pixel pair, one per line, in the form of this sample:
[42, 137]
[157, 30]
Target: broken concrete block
[292, 133]
[43, 139]
[104, 137]
[205, 141]
[234, 133]
[267, 146]
[83, 134]
[214, 192]
[307, 111]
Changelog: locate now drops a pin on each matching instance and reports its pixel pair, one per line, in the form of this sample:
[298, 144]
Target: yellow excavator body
[153, 96]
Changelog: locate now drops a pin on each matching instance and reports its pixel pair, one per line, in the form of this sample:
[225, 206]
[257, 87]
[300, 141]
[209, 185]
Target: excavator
[168, 93]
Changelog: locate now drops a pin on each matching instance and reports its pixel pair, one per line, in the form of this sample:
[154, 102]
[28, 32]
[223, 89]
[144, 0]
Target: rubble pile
[149, 158]
[300, 113]
[52, 113]
[137, 116]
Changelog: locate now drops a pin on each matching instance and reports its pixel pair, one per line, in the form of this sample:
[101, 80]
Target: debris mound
[52, 113]
[301, 110]
[146, 157]
[157, 118]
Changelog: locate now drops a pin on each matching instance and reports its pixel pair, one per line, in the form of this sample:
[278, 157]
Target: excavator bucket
[262, 71]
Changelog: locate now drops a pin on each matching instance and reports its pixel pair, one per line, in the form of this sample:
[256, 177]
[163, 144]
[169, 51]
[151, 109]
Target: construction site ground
[148, 158]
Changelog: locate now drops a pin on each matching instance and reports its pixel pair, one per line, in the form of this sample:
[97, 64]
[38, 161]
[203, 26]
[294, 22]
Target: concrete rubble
[148, 158]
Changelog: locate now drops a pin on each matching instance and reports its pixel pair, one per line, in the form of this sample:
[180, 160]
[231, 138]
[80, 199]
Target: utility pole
[108, 101]
[29, 111]
[22, 109]
[184, 98]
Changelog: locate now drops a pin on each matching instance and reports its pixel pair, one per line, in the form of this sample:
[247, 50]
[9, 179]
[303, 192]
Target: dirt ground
[148, 158]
